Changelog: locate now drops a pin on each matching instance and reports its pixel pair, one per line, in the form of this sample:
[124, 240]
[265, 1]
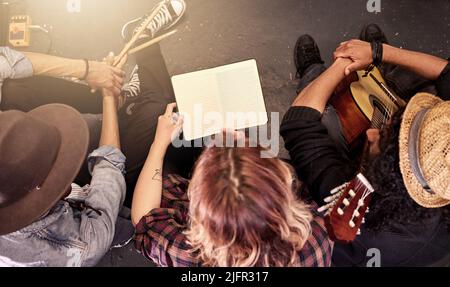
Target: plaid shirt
[160, 234]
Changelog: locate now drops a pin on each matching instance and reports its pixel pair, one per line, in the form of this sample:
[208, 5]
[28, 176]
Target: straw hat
[425, 150]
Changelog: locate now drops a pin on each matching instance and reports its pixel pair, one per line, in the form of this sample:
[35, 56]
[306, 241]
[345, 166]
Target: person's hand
[359, 52]
[111, 59]
[103, 75]
[169, 127]
[373, 137]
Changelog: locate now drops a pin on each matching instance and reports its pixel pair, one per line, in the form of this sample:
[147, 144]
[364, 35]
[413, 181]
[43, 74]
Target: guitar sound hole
[378, 105]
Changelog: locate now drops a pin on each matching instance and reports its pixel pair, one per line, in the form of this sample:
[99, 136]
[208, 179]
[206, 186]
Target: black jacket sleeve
[313, 153]
[443, 84]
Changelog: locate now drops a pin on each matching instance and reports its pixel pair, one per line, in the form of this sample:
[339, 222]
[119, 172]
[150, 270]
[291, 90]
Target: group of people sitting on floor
[72, 155]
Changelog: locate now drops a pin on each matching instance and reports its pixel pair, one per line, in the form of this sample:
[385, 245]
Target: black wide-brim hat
[74, 135]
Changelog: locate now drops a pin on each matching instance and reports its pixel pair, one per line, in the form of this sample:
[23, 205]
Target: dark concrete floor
[218, 32]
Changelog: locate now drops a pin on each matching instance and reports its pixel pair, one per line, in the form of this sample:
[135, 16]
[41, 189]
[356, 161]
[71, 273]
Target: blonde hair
[243, 210]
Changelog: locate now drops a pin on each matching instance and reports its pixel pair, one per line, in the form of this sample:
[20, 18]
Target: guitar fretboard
[379, 119]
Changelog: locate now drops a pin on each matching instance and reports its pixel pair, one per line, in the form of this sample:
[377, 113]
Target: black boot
[306, 53]
[372, 32]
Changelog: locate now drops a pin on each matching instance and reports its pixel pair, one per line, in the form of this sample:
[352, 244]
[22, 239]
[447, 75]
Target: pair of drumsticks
[128, 47]
[128, 50]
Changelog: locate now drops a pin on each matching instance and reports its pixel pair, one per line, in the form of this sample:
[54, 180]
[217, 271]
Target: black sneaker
[306, 53]
[372, 32]
[169, 14]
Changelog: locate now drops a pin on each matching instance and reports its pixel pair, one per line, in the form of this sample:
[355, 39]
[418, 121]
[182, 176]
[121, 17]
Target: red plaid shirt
[160, 234]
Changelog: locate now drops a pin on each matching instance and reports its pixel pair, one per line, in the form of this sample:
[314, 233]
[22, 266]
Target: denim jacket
[13, 65]
[69, 236]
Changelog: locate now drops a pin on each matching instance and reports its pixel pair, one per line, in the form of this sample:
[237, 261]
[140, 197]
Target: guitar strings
[381, 117]
[367, 192]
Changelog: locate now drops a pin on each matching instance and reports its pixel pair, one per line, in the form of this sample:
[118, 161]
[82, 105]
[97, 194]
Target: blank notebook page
[234, 92]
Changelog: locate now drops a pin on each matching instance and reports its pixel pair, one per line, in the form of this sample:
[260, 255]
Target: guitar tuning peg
[363, 220]
[346, 202]
[352, 193]
[352, 224]
[359, 232]
[323, 208]
[337, 189]
[340, 211]
[328, 199]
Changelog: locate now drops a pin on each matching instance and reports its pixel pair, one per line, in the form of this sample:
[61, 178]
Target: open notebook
[227, 97]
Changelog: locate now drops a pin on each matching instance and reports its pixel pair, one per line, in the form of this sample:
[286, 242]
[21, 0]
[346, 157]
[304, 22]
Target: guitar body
[354, 123]
[359, 101]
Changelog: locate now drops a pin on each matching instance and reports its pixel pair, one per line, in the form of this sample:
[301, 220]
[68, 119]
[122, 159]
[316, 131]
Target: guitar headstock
[346, 209]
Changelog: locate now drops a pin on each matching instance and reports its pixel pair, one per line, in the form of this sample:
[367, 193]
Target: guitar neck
[379, 119]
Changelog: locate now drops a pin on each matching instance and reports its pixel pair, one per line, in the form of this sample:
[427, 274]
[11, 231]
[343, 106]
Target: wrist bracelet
[377, 53]
[86, 73]
[380, 53]
[374, 45]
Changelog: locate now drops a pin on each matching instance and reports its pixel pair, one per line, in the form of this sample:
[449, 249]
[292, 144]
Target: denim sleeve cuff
[13, 65]
[18, 66]
[110, 154]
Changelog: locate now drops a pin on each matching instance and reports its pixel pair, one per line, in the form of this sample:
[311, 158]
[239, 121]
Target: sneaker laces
[161, 19]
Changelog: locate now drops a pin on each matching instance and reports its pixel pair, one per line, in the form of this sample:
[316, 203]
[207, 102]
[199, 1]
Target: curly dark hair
[391, 203]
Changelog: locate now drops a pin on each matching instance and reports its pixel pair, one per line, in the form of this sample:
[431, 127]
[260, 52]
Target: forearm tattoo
[158, 175]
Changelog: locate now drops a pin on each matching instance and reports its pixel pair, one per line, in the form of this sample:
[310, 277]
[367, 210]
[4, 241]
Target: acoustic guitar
[363, 101]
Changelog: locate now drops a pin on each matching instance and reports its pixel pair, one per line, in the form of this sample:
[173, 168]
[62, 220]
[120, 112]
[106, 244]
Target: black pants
[137, 119]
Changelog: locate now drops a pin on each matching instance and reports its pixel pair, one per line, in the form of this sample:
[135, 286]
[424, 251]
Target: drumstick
[151, 42]
[138, 33]
[146, 45]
